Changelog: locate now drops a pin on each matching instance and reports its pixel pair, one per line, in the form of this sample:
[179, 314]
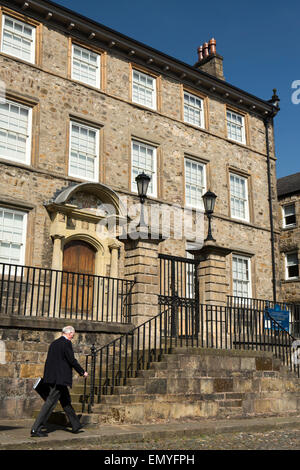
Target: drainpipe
[266, 122]
[275, 102]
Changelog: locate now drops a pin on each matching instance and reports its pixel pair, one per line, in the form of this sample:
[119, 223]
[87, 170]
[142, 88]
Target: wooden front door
[78, 280]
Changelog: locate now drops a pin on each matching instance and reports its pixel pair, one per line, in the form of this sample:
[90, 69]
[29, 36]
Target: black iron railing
[259, 304]
[213, 327]
[33, 291]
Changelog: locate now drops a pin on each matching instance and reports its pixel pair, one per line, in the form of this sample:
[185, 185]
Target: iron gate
[179, 294]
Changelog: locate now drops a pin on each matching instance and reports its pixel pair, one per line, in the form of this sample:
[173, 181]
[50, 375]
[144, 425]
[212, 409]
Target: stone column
[114, 249]
[213, 289]
[213, 282]
[114, 273]
[56, 278]
[57, 254]
[142, 264]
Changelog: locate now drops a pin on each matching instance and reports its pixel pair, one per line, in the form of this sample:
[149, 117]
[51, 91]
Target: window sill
[82, 180]
[16, 163]
[243, 221]
[244, 144]
[142, 106]
[201, 128]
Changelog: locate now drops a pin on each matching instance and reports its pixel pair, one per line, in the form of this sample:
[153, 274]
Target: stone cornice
[93, 33]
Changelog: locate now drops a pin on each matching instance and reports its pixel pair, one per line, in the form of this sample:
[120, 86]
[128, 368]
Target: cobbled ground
[269, 440]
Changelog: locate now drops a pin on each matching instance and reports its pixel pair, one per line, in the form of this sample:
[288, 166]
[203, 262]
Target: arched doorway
[79, 257]
[78, 277]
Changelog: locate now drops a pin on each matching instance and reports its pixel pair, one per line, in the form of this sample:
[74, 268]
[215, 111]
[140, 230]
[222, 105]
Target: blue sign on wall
[282, 317]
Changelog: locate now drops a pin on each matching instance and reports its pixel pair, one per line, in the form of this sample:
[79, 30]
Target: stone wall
[26, 342]
[289, 241]
[55, 99]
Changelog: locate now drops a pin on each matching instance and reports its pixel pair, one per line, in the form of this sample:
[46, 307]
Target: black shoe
[78, 429]
[38, 433]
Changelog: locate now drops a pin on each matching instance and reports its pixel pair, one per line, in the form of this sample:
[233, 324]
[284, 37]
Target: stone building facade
[83, 111]
[89, 89]
[288, 189]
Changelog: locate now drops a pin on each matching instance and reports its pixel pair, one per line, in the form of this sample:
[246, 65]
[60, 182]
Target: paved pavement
[249, 433]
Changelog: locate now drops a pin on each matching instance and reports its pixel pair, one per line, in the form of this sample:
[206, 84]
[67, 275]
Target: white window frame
[33, 46]
[245, 200]
[285, 225]
[24, 233]
[152, 193]
[248, 281]
[287, 277]
[199, 204]
[200, 109]
[27, 159]
[243, 131]
[98, 66]
[154, 91]
[96, 161]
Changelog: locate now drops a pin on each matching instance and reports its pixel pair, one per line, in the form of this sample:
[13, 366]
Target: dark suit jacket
[60, 362]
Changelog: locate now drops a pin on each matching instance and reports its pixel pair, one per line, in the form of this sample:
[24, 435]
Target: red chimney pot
[212, 47]
[205, 50]
[200, 53]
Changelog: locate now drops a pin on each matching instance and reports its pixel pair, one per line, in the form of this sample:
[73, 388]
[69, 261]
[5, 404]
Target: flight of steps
[195, 383]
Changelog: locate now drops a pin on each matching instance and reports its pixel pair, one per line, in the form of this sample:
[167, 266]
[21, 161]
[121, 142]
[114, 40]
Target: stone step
[162, 384]
[129, 389]
[190, 383]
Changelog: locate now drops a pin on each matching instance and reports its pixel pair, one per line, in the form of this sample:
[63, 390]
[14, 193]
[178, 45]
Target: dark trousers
[61, 393]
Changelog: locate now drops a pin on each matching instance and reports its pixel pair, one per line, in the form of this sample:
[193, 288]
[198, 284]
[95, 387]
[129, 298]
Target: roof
[288, 184]
[94, 33]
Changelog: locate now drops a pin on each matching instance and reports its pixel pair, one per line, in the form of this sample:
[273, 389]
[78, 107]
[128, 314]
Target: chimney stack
[208, 59]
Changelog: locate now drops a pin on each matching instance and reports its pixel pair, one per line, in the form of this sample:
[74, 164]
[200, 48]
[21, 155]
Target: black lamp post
[142, 181]
[209, 199]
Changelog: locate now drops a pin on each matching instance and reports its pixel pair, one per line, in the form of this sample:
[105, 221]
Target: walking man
[58, 374]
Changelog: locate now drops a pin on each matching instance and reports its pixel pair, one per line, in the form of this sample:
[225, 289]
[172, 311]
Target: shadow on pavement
[9, 428]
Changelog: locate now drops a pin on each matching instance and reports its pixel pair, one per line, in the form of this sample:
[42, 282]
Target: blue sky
[260, 43]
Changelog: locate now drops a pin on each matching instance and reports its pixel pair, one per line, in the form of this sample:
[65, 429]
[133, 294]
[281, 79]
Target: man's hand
[85, 375]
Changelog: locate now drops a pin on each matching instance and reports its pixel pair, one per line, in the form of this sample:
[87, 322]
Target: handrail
[128, 294]
[140, 345]
[209, 326]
